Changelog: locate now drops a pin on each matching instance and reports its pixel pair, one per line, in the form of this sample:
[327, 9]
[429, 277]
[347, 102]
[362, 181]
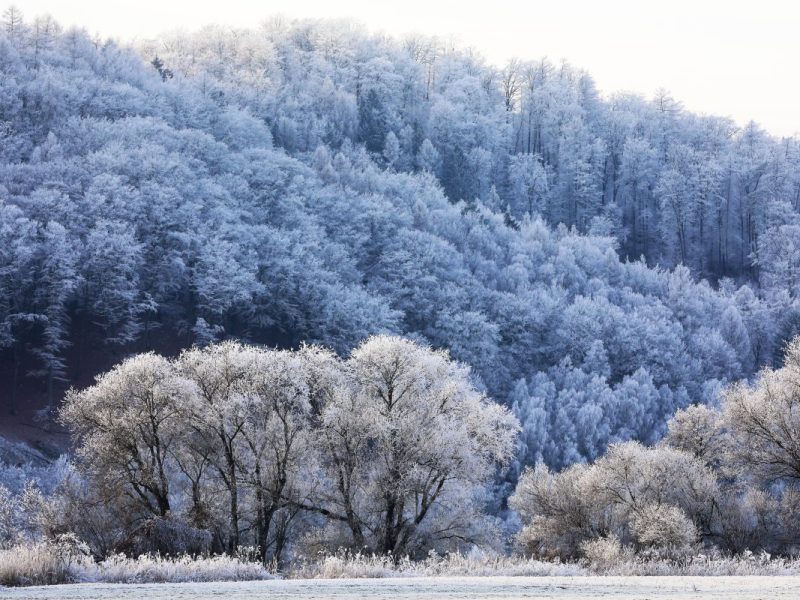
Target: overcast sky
[734, 58]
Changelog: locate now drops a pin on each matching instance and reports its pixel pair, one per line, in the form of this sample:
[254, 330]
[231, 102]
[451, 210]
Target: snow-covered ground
[485, 588]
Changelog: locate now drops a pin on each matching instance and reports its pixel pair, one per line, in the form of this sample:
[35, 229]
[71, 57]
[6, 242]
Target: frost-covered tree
[391, 149]
[428, 158]
[126, 427]
[216, 408]
[763, 420]
[409, 447]
[277, 460]
[232, 444]
[528, 179]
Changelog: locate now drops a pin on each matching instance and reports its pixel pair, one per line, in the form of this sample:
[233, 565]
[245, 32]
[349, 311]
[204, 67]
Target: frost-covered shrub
[167, 537]
[648, 496]
[558, 511]
[764, 421]
[605, 552]
[23, 516]
[28, 510]
[665, 529]
[697, 430]
[7, 516]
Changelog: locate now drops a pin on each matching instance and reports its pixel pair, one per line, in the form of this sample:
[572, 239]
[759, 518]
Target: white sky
[736, 58]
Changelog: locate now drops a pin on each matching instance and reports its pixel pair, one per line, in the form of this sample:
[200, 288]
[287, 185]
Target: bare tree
[127, 426]
[764, 420]
[14, 24]
[216, 410]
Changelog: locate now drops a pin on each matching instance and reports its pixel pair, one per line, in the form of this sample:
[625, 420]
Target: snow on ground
[485, 588]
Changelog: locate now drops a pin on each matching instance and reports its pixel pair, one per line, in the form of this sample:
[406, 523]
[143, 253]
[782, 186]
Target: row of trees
[723, 477]
[390, 451]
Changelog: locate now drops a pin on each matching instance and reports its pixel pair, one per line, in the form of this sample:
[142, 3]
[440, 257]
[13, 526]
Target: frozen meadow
[486, 588]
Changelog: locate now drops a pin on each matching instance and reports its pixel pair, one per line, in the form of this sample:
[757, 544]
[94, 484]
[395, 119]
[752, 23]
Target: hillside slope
[146, 208]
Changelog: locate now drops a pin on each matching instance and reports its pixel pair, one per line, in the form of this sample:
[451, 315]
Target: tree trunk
[163, 504]
[14, 380]
[233, 540]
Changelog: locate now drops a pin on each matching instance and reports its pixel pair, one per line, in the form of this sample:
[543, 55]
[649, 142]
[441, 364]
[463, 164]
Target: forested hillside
[598, 263]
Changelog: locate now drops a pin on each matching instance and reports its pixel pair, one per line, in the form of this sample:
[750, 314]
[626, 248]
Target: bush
[664, 528]
[167, 536]
[605, 552]
[648, 497]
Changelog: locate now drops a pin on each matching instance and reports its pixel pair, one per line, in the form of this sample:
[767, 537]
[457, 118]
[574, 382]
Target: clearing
[485, 588]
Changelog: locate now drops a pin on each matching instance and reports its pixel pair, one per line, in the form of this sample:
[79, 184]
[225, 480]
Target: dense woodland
[598, 263]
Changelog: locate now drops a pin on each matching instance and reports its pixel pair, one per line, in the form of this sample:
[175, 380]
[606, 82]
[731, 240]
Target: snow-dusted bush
[24, 516]
[168, 536]
[7, 515]
[648, 496]
[698, 430]
[558, 511]
[665, 529]
[78, 506]
[751, 442]
[764, 421]
[605, 552]
[720, 479]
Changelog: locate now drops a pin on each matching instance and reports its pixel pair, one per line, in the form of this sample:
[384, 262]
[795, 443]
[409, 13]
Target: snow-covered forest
[598, 263]
[591, 264]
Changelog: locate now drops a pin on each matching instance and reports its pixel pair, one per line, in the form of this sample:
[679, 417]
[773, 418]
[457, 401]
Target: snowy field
[485, 588]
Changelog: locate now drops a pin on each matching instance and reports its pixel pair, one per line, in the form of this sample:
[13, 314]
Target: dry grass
[346, 565]
[46, 563]
[39, 564]
[158, 569]
[747, 565]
